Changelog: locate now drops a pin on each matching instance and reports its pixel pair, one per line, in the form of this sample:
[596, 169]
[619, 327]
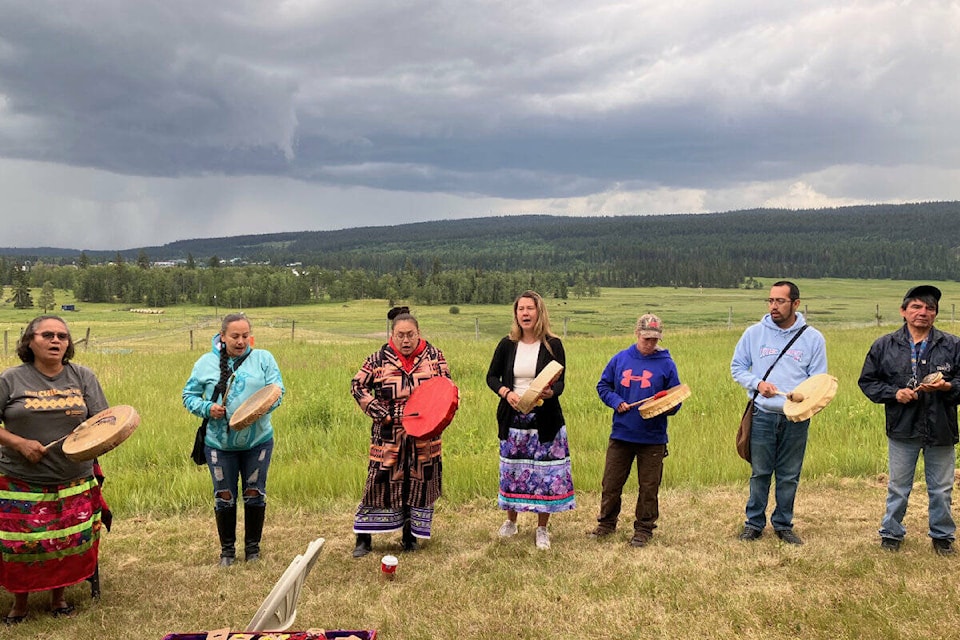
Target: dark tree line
[490, 259]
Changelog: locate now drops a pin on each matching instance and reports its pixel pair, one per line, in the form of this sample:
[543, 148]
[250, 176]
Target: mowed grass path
[696, 580]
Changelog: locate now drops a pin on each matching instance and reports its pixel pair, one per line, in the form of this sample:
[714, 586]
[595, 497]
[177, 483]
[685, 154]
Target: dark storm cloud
[692, 106]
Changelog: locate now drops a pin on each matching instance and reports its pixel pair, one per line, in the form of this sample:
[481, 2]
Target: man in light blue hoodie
[777, 445]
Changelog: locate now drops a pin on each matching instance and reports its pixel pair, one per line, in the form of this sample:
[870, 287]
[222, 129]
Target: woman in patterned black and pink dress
[404, 473]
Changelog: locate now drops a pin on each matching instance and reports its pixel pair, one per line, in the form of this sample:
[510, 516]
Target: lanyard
[916, 352]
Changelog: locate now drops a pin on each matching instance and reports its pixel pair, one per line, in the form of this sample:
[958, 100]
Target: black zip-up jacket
[549, 415]
[933, 417]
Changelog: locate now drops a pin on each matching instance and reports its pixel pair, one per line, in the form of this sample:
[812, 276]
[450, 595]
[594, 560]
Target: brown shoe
[599, 532]
[639, 540]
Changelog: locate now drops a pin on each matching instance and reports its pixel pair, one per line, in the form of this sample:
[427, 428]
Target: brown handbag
[746, 420]
[743, 433]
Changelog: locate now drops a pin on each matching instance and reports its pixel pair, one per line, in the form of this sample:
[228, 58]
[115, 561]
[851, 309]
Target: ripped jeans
[248, 466]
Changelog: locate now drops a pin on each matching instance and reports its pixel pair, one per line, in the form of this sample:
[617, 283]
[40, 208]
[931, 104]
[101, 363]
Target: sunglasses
[49, 335]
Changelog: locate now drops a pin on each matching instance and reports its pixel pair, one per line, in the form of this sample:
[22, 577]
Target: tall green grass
[322, 437]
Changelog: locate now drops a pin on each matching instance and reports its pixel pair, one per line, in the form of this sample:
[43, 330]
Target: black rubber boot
[364, 545]
[409, 540]
[227, 530]
[94, 581]
[253, 529]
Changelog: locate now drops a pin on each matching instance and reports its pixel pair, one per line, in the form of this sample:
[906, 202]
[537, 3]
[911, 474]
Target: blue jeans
[776, 447]
[248, 467]
[938, 466]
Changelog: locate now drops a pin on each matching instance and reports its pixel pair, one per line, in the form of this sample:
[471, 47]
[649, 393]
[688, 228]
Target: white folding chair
[279, 610]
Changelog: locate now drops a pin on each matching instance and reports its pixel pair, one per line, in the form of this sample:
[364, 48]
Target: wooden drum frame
[255, 407]
[531, 397]
[100, 433]
[816, 391]
[674, 396]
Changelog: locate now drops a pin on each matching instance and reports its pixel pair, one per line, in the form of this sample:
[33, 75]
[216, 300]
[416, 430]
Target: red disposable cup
[388, 567]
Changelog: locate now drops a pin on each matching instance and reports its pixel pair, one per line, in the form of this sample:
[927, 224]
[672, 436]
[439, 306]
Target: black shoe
[364, 545]
[943, 547]
[788, 536]
[890, 544]
[227, 561]
[408, 540]
[750, 534]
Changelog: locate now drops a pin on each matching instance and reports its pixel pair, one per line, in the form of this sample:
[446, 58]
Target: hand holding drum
[531, 397]
[929, 379]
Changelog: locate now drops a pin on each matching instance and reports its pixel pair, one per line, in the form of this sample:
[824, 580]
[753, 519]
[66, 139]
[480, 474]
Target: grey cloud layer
[520, 100]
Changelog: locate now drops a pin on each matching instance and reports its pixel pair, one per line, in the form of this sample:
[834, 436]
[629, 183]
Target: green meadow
[164, 535]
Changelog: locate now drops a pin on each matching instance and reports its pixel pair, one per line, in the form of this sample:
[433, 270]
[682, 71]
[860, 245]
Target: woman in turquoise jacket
[234, 368]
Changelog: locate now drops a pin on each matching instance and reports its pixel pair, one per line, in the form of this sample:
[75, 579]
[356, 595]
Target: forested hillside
[911, 241]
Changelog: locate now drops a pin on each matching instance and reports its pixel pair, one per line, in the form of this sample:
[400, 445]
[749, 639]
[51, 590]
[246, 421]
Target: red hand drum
[431, 407]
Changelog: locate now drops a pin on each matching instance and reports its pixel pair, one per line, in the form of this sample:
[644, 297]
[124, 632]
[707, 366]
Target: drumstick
[46, 447]
[793, 396]
[656, 396]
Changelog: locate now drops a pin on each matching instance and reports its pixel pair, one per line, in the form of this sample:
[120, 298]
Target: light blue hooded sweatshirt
[760, 345]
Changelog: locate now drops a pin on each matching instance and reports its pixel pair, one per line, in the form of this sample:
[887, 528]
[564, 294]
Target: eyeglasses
[400, 335]
[777, 301]
[49, 335]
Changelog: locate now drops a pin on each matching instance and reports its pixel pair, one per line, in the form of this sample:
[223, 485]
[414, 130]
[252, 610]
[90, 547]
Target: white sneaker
[508, 529]
[543, 538]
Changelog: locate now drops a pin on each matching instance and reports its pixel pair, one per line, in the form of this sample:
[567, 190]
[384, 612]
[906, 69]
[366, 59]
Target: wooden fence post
[293, 330]
[191, 339]
[476, 328]
[86, 340]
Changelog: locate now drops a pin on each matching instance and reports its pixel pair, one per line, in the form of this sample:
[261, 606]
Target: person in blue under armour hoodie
[777, 445]
[636, 373]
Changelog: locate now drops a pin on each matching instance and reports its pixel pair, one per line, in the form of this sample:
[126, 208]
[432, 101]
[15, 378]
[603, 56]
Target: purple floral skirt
[535, 476]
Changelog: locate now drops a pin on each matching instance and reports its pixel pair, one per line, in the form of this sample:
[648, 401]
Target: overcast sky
[129, 123]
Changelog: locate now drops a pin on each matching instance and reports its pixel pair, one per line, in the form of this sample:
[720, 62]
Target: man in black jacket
[900, 372]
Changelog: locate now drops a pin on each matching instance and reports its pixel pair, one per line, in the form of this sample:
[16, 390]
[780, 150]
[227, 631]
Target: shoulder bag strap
[782, 351]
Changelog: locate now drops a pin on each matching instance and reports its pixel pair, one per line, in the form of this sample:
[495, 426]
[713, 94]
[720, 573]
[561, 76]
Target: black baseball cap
[922, 290]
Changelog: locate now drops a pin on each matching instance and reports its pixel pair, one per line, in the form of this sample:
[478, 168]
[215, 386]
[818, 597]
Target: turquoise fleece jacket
[255, 372]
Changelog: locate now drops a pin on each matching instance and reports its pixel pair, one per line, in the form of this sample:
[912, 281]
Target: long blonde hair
[542, 328]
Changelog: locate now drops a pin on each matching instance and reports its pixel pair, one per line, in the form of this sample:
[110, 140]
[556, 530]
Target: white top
[525, 366]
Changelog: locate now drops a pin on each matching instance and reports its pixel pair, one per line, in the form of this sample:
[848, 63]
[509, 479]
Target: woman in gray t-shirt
[55, 541]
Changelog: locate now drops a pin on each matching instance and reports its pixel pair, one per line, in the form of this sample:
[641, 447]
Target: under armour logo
[643, 378]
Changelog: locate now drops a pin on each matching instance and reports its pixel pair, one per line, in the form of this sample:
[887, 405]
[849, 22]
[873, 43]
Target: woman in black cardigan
[534, 453]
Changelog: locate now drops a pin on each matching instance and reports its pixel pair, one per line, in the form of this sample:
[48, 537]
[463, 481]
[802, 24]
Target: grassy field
[696, 580]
